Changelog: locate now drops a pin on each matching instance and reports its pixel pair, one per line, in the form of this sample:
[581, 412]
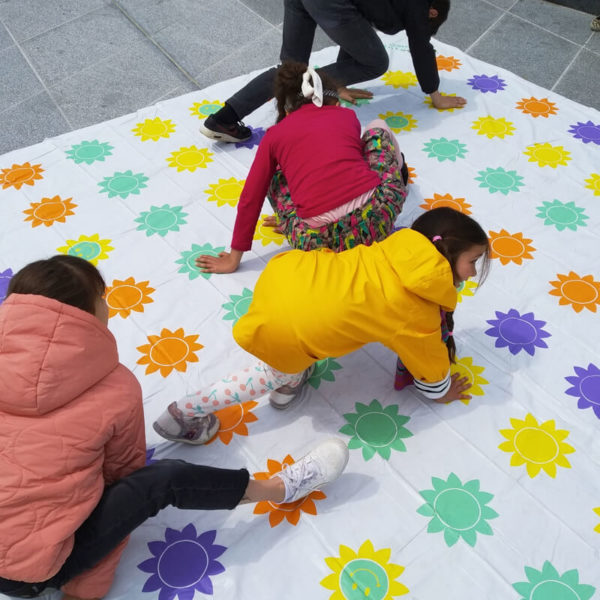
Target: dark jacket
[412, 16]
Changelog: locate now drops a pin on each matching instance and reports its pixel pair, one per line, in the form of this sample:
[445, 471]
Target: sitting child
[73, 484]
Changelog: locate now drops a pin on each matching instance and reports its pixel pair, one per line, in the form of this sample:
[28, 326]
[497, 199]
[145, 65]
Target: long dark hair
[288, 88]
[65, 278]
[443, 8]
[457, 233]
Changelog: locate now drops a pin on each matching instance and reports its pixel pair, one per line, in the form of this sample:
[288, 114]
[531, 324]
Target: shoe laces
[300, 474]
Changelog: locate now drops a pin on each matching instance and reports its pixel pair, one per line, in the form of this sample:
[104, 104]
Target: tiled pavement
[67, 64]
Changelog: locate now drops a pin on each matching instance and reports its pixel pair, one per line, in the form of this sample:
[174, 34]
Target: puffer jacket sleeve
[124, 453]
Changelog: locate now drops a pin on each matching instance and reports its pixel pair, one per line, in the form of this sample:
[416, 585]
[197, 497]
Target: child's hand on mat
[443, 102]
[353, 94]
[456, 391]
[226, 262]
[272, 221]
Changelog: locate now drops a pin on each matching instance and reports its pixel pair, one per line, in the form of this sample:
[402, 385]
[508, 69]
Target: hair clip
[436, 238]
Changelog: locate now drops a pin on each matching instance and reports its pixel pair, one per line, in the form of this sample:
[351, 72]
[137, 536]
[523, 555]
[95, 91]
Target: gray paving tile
[261, 53]
[154, 15]
[467, 21]
[30, 122]
[17, 80]
[526, 50]
[593, 42]
[271, 10]
[570, 24]
[322, 40]
[27, 18]
[5, 39]
[206, 37]
[118, 85]
[577, 83]
[80, 43]
[185, 88]
[504, 4]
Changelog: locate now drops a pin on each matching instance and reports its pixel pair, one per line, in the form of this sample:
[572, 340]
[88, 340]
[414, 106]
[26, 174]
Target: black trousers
[126, 504]
[361, 57]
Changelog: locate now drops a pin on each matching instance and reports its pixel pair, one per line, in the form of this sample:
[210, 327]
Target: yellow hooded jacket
[313, 305]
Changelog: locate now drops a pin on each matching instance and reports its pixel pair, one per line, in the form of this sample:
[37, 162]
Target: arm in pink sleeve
[253, 196]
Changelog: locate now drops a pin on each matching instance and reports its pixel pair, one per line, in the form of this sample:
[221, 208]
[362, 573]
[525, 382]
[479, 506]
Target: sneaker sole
[221, 137]
[200, 442]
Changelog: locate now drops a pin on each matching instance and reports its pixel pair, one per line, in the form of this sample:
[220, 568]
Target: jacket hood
[50, 353]
[420, 267]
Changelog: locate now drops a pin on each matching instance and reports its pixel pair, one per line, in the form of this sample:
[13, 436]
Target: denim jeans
[126, 504]
[362, 55]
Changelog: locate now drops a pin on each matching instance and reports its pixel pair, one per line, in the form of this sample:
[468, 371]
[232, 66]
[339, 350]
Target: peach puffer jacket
[71, 422]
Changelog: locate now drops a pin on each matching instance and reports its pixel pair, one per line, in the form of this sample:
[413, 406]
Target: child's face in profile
[465, 266]
[101, 310]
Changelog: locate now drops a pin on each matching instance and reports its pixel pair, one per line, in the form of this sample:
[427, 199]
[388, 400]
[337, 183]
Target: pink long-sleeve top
[71, 422]
[320, 152]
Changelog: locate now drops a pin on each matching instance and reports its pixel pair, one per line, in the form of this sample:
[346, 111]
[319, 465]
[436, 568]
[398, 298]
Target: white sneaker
[287, 395]
[323, 464]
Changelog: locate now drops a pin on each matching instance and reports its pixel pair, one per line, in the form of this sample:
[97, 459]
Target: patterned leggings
[372, 222]
[253, 382]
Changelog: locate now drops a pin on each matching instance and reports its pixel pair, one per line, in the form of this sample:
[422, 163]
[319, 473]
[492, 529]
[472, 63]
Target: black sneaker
[234, 132]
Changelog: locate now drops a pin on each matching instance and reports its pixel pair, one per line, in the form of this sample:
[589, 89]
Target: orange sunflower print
[19, 175]
[125, 296]
[579, 292]
[438, 200]
[288, 510]
[510, 247]
[447, 63]
[234, 419]
[412, 175]
[49, 211]
[169, 350]
[537, 108]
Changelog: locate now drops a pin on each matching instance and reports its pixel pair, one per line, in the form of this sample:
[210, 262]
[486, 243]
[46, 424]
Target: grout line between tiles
[572, 61]
[147, 35]
[39, 78]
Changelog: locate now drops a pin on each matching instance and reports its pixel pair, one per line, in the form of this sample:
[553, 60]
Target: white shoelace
[298, 477]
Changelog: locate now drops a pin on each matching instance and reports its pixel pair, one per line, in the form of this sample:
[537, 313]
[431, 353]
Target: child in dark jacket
[362, 56]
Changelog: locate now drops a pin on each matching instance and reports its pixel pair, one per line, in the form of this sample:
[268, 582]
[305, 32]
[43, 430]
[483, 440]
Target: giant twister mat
[497, 497]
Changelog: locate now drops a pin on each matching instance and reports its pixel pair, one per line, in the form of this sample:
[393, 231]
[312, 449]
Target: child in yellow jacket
[308, 306]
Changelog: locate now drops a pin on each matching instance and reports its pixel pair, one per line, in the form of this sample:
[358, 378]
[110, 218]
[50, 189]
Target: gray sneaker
[323, 464]
[287, 395]
[174, 427]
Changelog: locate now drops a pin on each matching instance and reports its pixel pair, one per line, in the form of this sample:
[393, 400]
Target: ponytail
[288, 88]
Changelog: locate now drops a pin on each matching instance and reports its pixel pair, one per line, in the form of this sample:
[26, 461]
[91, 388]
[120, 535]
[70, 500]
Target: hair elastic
[436, 238]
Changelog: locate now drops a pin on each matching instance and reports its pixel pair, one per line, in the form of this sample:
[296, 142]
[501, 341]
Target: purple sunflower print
[149, 455]
[586, 132]
[485, 84]
[5, 277]
[182, 564]
[253, 140]
[586, 387]
[518, 332]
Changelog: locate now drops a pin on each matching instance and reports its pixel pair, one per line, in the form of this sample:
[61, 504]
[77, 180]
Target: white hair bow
[314, 91]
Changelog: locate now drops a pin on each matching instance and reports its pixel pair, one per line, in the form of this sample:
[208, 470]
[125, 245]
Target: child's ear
[433, 13]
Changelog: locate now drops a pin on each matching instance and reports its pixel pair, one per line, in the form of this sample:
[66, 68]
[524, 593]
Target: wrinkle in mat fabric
[497, 497]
